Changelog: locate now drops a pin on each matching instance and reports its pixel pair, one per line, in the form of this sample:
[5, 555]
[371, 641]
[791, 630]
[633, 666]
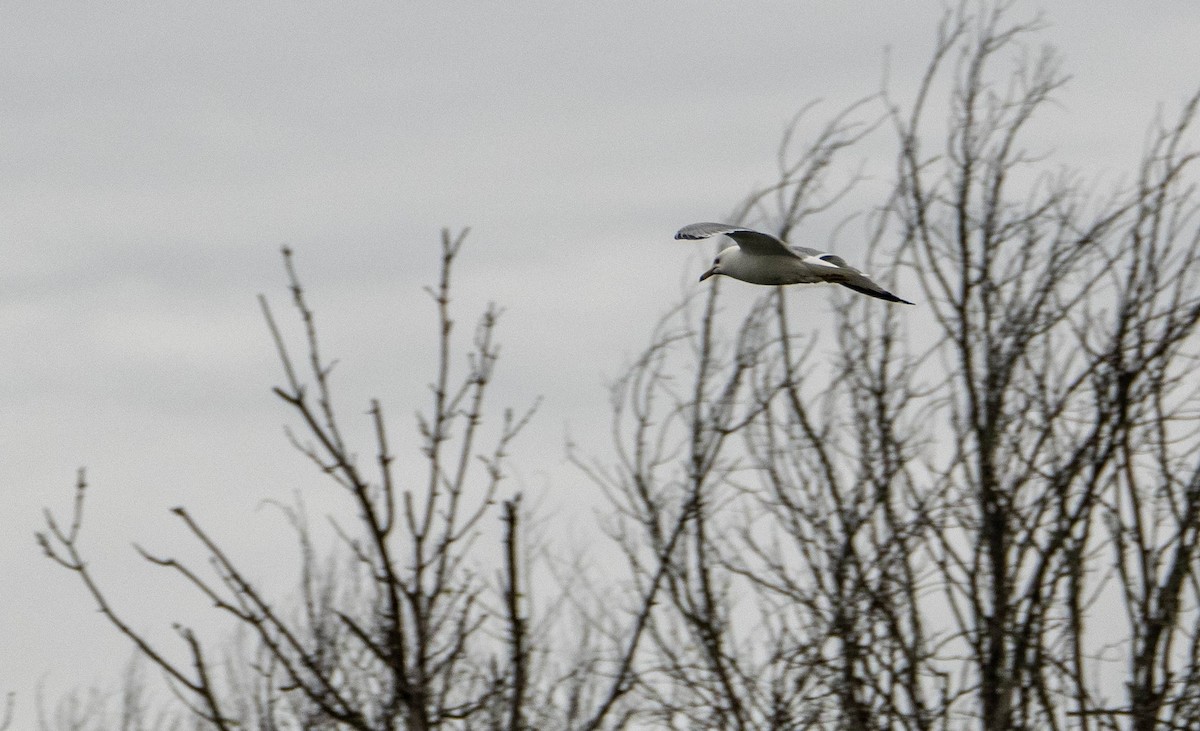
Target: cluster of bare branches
[132, 707]
[402, 635]
[986, 517]
[935, 524]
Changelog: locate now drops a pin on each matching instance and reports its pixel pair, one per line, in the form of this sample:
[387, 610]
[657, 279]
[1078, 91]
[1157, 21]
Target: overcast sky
[156, 155]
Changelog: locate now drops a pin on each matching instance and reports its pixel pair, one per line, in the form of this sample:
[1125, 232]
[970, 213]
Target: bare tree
[931, 524]
[1069, 332]
[401, 635]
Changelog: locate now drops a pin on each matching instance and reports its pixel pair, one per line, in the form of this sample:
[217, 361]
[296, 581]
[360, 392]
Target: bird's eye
[717, 260]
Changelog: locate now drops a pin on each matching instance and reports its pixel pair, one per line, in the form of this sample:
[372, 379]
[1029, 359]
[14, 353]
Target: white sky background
[155, 156]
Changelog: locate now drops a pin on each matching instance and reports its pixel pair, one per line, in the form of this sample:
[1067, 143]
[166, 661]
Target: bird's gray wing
[824, 258]
[844, 274]
[751, 241]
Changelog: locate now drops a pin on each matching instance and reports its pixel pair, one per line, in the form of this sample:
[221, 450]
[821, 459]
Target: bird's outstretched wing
[753, 242]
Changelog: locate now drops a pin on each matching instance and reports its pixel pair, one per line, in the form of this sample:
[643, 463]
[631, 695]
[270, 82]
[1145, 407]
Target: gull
[761, 258]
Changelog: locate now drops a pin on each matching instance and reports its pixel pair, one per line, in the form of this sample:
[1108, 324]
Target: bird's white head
[725, 263]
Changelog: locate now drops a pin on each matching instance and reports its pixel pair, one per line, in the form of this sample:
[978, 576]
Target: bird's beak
[708, 274]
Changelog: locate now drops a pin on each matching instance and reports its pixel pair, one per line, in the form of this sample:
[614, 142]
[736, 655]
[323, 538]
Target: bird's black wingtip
[882, 294]
[890, 298]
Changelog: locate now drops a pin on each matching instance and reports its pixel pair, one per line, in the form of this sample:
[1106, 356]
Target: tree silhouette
[934, 521]
[395, 637]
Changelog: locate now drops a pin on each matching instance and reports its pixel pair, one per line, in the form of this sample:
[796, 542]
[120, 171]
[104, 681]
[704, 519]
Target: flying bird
[761, 258]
